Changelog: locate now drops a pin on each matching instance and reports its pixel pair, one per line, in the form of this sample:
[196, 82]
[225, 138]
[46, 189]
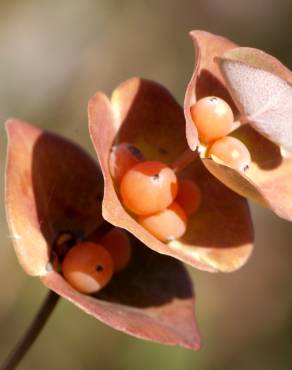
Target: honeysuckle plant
[53, 201]
[56, 195]
[258, 88]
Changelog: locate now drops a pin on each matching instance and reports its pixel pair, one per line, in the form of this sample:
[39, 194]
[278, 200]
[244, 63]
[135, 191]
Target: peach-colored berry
[122, 157]
[231, 152]
[117, 243]
[188, 196]
[87, 267]
[148, 187]
[212, 117]
[166, 225]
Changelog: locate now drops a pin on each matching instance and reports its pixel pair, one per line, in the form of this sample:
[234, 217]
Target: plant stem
[32, 333]
[186, 158]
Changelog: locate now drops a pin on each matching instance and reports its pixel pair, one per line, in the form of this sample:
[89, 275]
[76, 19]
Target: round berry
[148, 187]
[212, 117]
[87, 267]
[231, 152]
[122, 157]
[188, 196]
[117, 243]
[166, 225]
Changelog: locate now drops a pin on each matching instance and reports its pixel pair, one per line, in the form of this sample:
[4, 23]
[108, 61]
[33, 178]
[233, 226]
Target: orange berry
[88, 267]
[166, 225]
[117, 243]
[212, 117]
[148, 187]
[231, 152]
[188, 196]
[122, 157]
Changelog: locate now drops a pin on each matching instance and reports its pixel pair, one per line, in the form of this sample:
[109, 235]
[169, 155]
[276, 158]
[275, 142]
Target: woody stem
[32, 333]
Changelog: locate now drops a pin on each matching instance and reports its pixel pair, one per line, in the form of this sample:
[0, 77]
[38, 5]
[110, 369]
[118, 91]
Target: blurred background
[53, 56]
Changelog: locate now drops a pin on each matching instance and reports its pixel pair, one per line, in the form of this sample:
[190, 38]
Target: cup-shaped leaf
[151, 299]
[258, 88]
[219, 236]
[54, 189]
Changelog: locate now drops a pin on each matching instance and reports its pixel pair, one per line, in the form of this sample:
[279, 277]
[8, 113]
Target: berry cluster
[89, 266]
[151, 191]
[214, 120]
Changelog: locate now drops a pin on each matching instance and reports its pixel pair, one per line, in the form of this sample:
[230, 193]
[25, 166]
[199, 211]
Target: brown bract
[54, 188]
[259, 87]
[219, 236]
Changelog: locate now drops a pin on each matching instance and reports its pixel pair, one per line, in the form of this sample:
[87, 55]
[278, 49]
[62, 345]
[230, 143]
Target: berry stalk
[185, 158]
[32, 333]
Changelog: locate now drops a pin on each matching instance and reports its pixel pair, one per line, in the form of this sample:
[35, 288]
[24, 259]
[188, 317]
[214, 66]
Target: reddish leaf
[152, 299]
[207, 79]
[52, 186]
[267, 180]
[261, 87]
[219, 237]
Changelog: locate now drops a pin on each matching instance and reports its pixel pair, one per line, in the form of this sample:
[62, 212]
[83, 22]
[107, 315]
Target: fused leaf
[261, 88]
[219, 237]
[54, 190]
[151, 299]
[52, 186]
[252, 78]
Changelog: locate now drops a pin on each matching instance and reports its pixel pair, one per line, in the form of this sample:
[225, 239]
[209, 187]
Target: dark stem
[32, 333]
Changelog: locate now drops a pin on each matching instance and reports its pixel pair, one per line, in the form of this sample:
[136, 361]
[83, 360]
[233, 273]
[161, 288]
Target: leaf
[261, 88]
[207, 79]
[268, 178]
[267, 181]
[219, 237]
[52, 186]
[152, 299]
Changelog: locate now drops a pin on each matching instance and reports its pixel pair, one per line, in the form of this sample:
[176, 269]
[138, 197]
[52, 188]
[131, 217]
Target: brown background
[53, 56]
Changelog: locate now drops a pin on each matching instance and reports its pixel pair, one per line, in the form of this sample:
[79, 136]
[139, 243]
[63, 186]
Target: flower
[258, 87]
[53, 192]
[219, 236]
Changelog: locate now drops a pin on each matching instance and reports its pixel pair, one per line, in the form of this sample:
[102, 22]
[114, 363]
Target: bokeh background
[53, 56]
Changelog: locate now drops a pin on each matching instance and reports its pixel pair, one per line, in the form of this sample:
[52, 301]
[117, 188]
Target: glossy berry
[148, 187]
[212, 117]
[166, 225]
[117, 243]
[122, 157]
[231, 152]
[88, 267]
[188, 196]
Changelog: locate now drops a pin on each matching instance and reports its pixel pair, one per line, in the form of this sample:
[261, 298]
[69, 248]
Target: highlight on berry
[89, 266]
[212, 117]
[148, 187]
[155, 196]
[214, 120]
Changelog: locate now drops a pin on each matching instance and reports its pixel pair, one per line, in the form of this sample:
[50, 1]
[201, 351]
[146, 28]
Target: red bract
[258, 87]
[54, 188]
[219, 236]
